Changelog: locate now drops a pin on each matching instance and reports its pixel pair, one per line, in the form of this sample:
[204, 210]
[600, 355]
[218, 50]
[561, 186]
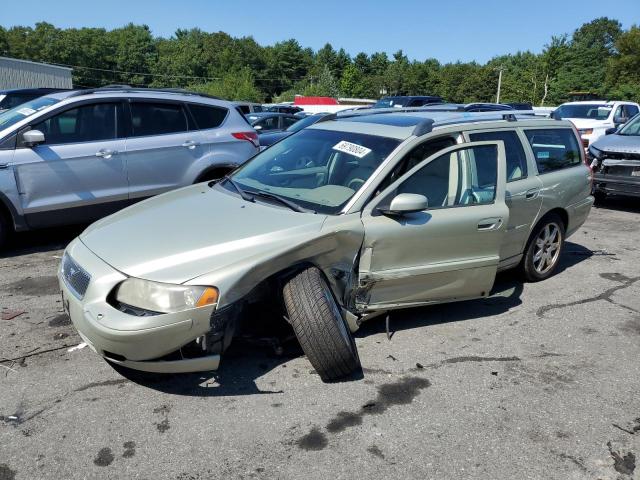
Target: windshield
[304, 123]
[317, 169]
[593, 111]
[15, 114]
[389, 102]
[632, 127]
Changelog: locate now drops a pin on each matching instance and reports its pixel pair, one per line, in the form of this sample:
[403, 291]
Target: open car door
[441, 251]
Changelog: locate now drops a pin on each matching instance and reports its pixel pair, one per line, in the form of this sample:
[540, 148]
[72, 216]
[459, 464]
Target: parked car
[616, 161]
[350, 217]
[268, 139]
[286, 108]
[520, 105]
[469, 107]
[17, 96]
[271, 122]
[594, 118]
[247, 108]
[75, 156]
[407, 101]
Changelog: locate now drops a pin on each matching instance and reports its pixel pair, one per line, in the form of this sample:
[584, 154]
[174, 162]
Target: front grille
[75, 277]
[621, 155]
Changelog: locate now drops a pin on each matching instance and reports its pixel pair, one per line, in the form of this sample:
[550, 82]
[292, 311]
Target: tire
[600, 197]
[5, 229]
[318, 324]
[540, 244]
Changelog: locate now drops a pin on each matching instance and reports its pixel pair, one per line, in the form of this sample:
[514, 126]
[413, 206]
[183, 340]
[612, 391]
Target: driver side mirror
[610, 131]
[31, 138]
[406, 203]
[619, 120]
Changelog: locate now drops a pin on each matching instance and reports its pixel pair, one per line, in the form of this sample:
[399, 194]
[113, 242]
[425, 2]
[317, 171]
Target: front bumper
[617, 184]
[134, 342]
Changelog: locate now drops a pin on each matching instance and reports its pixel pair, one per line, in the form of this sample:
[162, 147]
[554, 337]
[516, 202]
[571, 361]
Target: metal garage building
[16, 73]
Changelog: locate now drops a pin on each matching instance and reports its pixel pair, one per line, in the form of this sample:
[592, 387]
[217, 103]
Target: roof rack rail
[509, 117]
[129, 89]
[424, 127]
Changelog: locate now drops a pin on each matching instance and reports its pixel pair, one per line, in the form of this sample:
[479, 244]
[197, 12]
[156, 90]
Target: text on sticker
[351, 148]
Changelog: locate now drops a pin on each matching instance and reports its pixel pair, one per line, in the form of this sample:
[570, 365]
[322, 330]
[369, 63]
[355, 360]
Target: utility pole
[501, 69]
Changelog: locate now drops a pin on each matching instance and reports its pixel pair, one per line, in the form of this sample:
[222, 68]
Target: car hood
[586, 122]
[192, 231]
[268, 139]
[619, 143]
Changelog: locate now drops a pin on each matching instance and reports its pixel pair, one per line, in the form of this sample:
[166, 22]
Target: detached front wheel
[319, 325]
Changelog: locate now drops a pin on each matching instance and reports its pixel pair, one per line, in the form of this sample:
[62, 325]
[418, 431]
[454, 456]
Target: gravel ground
[539, 381]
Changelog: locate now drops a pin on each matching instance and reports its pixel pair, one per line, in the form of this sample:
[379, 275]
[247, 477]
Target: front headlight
[164, 297]
[594, 152]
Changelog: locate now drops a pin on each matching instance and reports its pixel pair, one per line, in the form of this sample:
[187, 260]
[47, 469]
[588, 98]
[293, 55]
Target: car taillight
[248, 136]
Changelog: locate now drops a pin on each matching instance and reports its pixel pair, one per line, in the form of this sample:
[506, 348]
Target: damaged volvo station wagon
[359, 214]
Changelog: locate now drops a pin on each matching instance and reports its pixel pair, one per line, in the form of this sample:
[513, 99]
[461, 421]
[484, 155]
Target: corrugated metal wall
[23, 74]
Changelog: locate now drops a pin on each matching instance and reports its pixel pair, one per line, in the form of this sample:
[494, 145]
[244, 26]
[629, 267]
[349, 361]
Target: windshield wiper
[243, 194]
[292, 205]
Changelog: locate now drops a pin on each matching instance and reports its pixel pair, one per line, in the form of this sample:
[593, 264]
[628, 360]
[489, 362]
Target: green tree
[623, 71]
[326, 86]
[236, 85]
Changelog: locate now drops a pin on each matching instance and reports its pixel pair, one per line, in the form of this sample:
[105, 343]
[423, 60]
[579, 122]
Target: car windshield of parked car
[16, 114]
[632, 128]
[591, 111]
[316, 169]
[389, 102]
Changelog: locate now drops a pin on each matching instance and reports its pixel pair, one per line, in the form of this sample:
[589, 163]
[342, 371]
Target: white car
[593, 118]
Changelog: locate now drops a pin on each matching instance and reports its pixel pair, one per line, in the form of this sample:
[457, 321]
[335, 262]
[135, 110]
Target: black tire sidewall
[319, 325]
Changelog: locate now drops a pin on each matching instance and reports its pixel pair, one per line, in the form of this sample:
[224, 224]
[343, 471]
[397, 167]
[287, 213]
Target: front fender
[333, 250]
[10, 198]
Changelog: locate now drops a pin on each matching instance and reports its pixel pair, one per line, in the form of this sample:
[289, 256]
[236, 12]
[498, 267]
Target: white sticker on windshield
[351, 148]
[26, 111]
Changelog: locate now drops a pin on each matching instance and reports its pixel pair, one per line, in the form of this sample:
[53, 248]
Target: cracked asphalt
[539, 381]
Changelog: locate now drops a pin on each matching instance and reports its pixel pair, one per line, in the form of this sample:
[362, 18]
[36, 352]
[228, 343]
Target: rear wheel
[544, 249]
[319, 326]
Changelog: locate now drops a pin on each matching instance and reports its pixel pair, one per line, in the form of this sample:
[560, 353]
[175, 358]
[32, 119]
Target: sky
[448, 30]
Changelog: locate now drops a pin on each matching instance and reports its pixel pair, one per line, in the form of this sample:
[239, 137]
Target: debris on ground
[80, 346]
[11, 314]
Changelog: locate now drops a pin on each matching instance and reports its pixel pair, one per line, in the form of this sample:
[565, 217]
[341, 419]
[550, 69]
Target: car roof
[599, 102]
[124, 91]
[269, 114]
[30, 90]
[401, 124]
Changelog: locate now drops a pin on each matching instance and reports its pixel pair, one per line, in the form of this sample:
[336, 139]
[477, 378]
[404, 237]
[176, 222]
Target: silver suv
[353, 216]
[76, 156]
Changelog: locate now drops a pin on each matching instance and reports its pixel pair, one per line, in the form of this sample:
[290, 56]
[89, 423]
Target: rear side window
[516, 158]
[88, 123]
[244, 109]
[208, 116]
[157, 118]
[554, 149]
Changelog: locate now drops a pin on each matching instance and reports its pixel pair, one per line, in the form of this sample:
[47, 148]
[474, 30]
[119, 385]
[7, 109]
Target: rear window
[554, 149]
[208, 116]
[157, 119]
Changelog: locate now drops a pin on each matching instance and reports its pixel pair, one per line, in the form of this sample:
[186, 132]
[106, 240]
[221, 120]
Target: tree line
[600, 57]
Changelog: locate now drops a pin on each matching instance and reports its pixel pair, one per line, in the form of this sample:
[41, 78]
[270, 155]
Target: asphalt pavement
[539, 381]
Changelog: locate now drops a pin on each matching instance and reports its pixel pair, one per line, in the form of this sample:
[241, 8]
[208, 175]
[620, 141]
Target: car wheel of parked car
[599, 196]
[544, 249]
[319, 325]
[5, 229]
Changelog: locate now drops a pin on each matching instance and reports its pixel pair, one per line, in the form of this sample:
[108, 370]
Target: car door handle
[190, 144]
[105, 153]
[487, 224]
[533, 193]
